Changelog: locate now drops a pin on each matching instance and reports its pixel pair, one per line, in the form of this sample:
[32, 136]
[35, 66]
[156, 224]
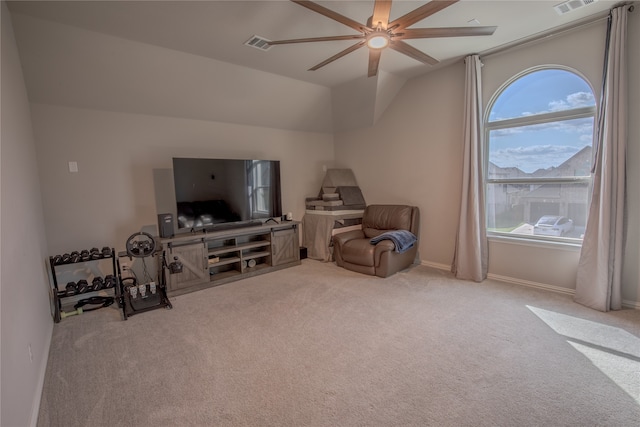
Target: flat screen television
[219, 193]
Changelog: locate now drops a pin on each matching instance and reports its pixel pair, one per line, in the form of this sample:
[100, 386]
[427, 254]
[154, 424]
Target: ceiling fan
[380, 33]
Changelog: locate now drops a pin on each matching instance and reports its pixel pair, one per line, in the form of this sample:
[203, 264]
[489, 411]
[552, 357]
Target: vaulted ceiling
[218, 30]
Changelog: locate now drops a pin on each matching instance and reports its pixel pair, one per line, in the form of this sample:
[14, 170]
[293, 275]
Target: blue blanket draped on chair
[402, 239]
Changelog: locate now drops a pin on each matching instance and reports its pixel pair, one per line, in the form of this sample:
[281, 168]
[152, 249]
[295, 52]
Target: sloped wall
[68, 66]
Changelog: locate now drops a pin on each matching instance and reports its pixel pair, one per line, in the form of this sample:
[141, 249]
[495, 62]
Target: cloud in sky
[529, 159]
[573, 100]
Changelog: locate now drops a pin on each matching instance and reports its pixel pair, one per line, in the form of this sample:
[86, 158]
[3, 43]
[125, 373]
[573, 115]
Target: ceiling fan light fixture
[390, 33]
[378, 40]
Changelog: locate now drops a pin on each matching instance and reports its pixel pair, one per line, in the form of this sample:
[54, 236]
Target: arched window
[539, 134]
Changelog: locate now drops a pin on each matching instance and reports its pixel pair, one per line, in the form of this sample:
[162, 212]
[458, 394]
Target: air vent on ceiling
[571, 5]
[259, 43]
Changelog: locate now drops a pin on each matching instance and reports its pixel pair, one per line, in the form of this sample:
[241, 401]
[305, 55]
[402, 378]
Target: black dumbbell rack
[75, 258]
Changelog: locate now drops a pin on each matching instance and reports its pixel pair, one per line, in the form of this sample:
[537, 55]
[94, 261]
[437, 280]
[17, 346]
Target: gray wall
[24, 287]
[413, 155]
[124, 176]
[123, 109]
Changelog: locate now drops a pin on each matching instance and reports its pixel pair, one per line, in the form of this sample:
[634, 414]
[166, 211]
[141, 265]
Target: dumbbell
[75, 256]
[85, 255]
[57, 259]
[71, 289]
[90, 287]
[95, 253]
[66, 258]
[64, 314]
[98, 283]
[106, 252]
[82, 286]
[109, 281]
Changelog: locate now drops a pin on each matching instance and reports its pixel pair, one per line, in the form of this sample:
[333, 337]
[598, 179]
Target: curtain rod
[554, 32]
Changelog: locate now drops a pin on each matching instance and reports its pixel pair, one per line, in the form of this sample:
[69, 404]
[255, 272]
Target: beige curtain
[598, 282]
[470, 260]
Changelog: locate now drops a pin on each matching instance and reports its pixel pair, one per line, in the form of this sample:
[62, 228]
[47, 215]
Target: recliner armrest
[340, 239]
[382, 247]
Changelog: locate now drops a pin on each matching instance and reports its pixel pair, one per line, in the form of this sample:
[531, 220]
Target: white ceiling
[218, 30]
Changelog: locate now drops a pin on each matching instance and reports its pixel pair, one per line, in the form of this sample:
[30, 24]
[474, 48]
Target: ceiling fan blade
[374, 60]
[333, 15]
[338, 55]
[317, 39]
[381, 11]
[426, 33]
[420, 13]
[402, 47]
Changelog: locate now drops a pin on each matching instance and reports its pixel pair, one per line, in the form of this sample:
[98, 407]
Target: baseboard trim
[631, 304]
[531, 284]
[436, 265]
[528, 283]
[507, 279]
[35, 409]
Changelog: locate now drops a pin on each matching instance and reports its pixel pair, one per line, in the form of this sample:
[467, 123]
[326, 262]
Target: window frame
[258, 186]
[530, 120]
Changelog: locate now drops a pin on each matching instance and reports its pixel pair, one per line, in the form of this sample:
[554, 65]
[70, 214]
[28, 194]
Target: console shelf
[254, 255]
[239, 247]
[225, 261]
[197, 261]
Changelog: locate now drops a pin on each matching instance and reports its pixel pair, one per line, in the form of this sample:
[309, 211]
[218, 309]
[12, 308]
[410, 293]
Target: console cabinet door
[285, 246]
[194, 261]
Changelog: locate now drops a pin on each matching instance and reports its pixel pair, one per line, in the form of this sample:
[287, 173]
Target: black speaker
[165, 225]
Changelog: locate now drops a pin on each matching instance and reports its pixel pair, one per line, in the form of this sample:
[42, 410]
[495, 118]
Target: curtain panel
[599, 276]
[470, 260]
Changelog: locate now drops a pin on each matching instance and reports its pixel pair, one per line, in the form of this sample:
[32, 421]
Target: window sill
[540, 242]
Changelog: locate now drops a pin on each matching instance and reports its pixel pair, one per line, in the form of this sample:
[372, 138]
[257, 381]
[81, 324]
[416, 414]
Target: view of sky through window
[546, 145]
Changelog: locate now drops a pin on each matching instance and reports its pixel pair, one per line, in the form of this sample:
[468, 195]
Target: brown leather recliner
[354, 251]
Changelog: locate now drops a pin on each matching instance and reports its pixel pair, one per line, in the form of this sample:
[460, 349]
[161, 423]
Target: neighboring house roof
[577, 165]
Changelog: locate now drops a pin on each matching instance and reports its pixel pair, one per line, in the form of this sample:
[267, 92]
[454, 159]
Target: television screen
[212, 192]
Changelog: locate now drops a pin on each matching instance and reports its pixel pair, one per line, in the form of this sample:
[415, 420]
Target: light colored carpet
[317, 345]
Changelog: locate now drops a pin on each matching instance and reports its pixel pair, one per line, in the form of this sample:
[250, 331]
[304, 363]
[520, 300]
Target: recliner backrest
[380, 218]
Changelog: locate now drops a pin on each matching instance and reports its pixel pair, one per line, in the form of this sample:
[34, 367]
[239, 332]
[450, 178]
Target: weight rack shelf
[76, 257]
